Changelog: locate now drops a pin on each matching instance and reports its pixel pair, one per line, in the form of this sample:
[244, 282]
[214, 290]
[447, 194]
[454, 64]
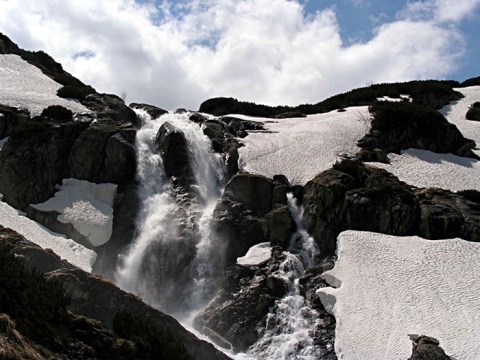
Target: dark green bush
[58, 113]
[472, 195]
[471, 82]
[150, 341]
[388, 116]
[74, 91]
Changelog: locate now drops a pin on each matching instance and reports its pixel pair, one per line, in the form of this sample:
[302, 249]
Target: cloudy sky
[180, 53]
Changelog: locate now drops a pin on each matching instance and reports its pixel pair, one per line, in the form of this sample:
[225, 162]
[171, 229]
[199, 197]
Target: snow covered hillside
[300, 148]
[24, 85]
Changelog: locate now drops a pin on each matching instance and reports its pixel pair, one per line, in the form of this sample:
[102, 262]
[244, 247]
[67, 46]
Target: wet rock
[279, 226]
[110, 107]
[11, 117]
[153, 111]
[173, 147]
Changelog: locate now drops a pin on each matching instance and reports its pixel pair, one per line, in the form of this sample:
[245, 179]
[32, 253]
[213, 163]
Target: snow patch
[423, 168]
[300, 148]
[85, 205]
[67, 249]
[401, 98]
[257, 255]
[395, 286]
[455, 113]
[24, 85]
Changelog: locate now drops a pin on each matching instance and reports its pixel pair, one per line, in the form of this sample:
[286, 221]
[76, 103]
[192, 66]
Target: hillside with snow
[274, 238]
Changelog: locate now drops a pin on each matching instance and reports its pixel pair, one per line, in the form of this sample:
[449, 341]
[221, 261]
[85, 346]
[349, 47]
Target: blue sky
[180, 53]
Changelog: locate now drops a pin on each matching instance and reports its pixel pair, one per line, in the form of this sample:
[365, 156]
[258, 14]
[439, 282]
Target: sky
[278, 52]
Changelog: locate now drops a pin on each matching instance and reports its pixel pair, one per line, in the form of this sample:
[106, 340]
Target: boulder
[291, 114]
[427, 348]
[11, 117]
[253, 191]
[473, 113]
[173, 147]
[110, 107]
[279, 226]
[353, 196]
[153, 111]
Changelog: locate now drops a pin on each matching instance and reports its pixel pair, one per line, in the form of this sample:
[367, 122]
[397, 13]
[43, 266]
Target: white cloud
[185, 52]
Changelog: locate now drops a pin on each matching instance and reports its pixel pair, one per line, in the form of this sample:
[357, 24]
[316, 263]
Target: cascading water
[168, 264]
[290, 325]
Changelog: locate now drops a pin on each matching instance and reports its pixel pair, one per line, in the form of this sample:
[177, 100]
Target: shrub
[471, 82]
[57, 112]
[74, 91]
[150, 341]
[472, 195]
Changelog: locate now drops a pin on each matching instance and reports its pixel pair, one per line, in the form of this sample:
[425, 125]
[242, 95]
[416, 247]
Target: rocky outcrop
[173, 147]
[10, 117]
[291, 114]
[96, 298]
[354, 196]
[233, 317]
[153, 111]
[404, 125]
[427, 348]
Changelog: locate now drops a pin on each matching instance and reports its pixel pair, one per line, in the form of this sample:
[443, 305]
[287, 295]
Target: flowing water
[289, 326]
[173, 263]
[168, 264]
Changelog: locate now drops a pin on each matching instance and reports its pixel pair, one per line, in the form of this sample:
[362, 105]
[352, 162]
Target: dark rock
[373, 155]
[10, 117]
[97, 298]
[238, 126]
[180, 111]
[153, 111]
[279, 227]
[282, 179]
[31, 164]
[473, 114]
[353, 196]
[173, 147]
[297, 191]
[404, 125]
[198, 118]
[291, 114]
[101, 154]
[279, 196]
[241, 304]
[123, 233]
[254, 191]
[427, 348]
[110, 107]
[445, 215]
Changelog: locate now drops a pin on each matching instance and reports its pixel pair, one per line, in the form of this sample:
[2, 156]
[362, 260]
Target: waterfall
[290, 324]
[168, 264]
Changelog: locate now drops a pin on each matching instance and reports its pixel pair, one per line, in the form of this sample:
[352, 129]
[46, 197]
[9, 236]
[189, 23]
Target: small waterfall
[290, 325]
[168, 264]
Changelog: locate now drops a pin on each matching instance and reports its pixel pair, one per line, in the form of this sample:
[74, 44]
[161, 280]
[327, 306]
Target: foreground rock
[95, 298]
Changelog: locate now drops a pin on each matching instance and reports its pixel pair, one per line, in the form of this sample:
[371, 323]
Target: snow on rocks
[300, 148]
[67, 249]
[87, 206]
[24, 85]
[389, 287]
[257, 255]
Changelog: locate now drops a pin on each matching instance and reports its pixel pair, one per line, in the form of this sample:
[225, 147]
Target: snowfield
[67, 249]
[85, 205]
[389, 287]
[24, 85]
[301, 148]
[427, 169]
